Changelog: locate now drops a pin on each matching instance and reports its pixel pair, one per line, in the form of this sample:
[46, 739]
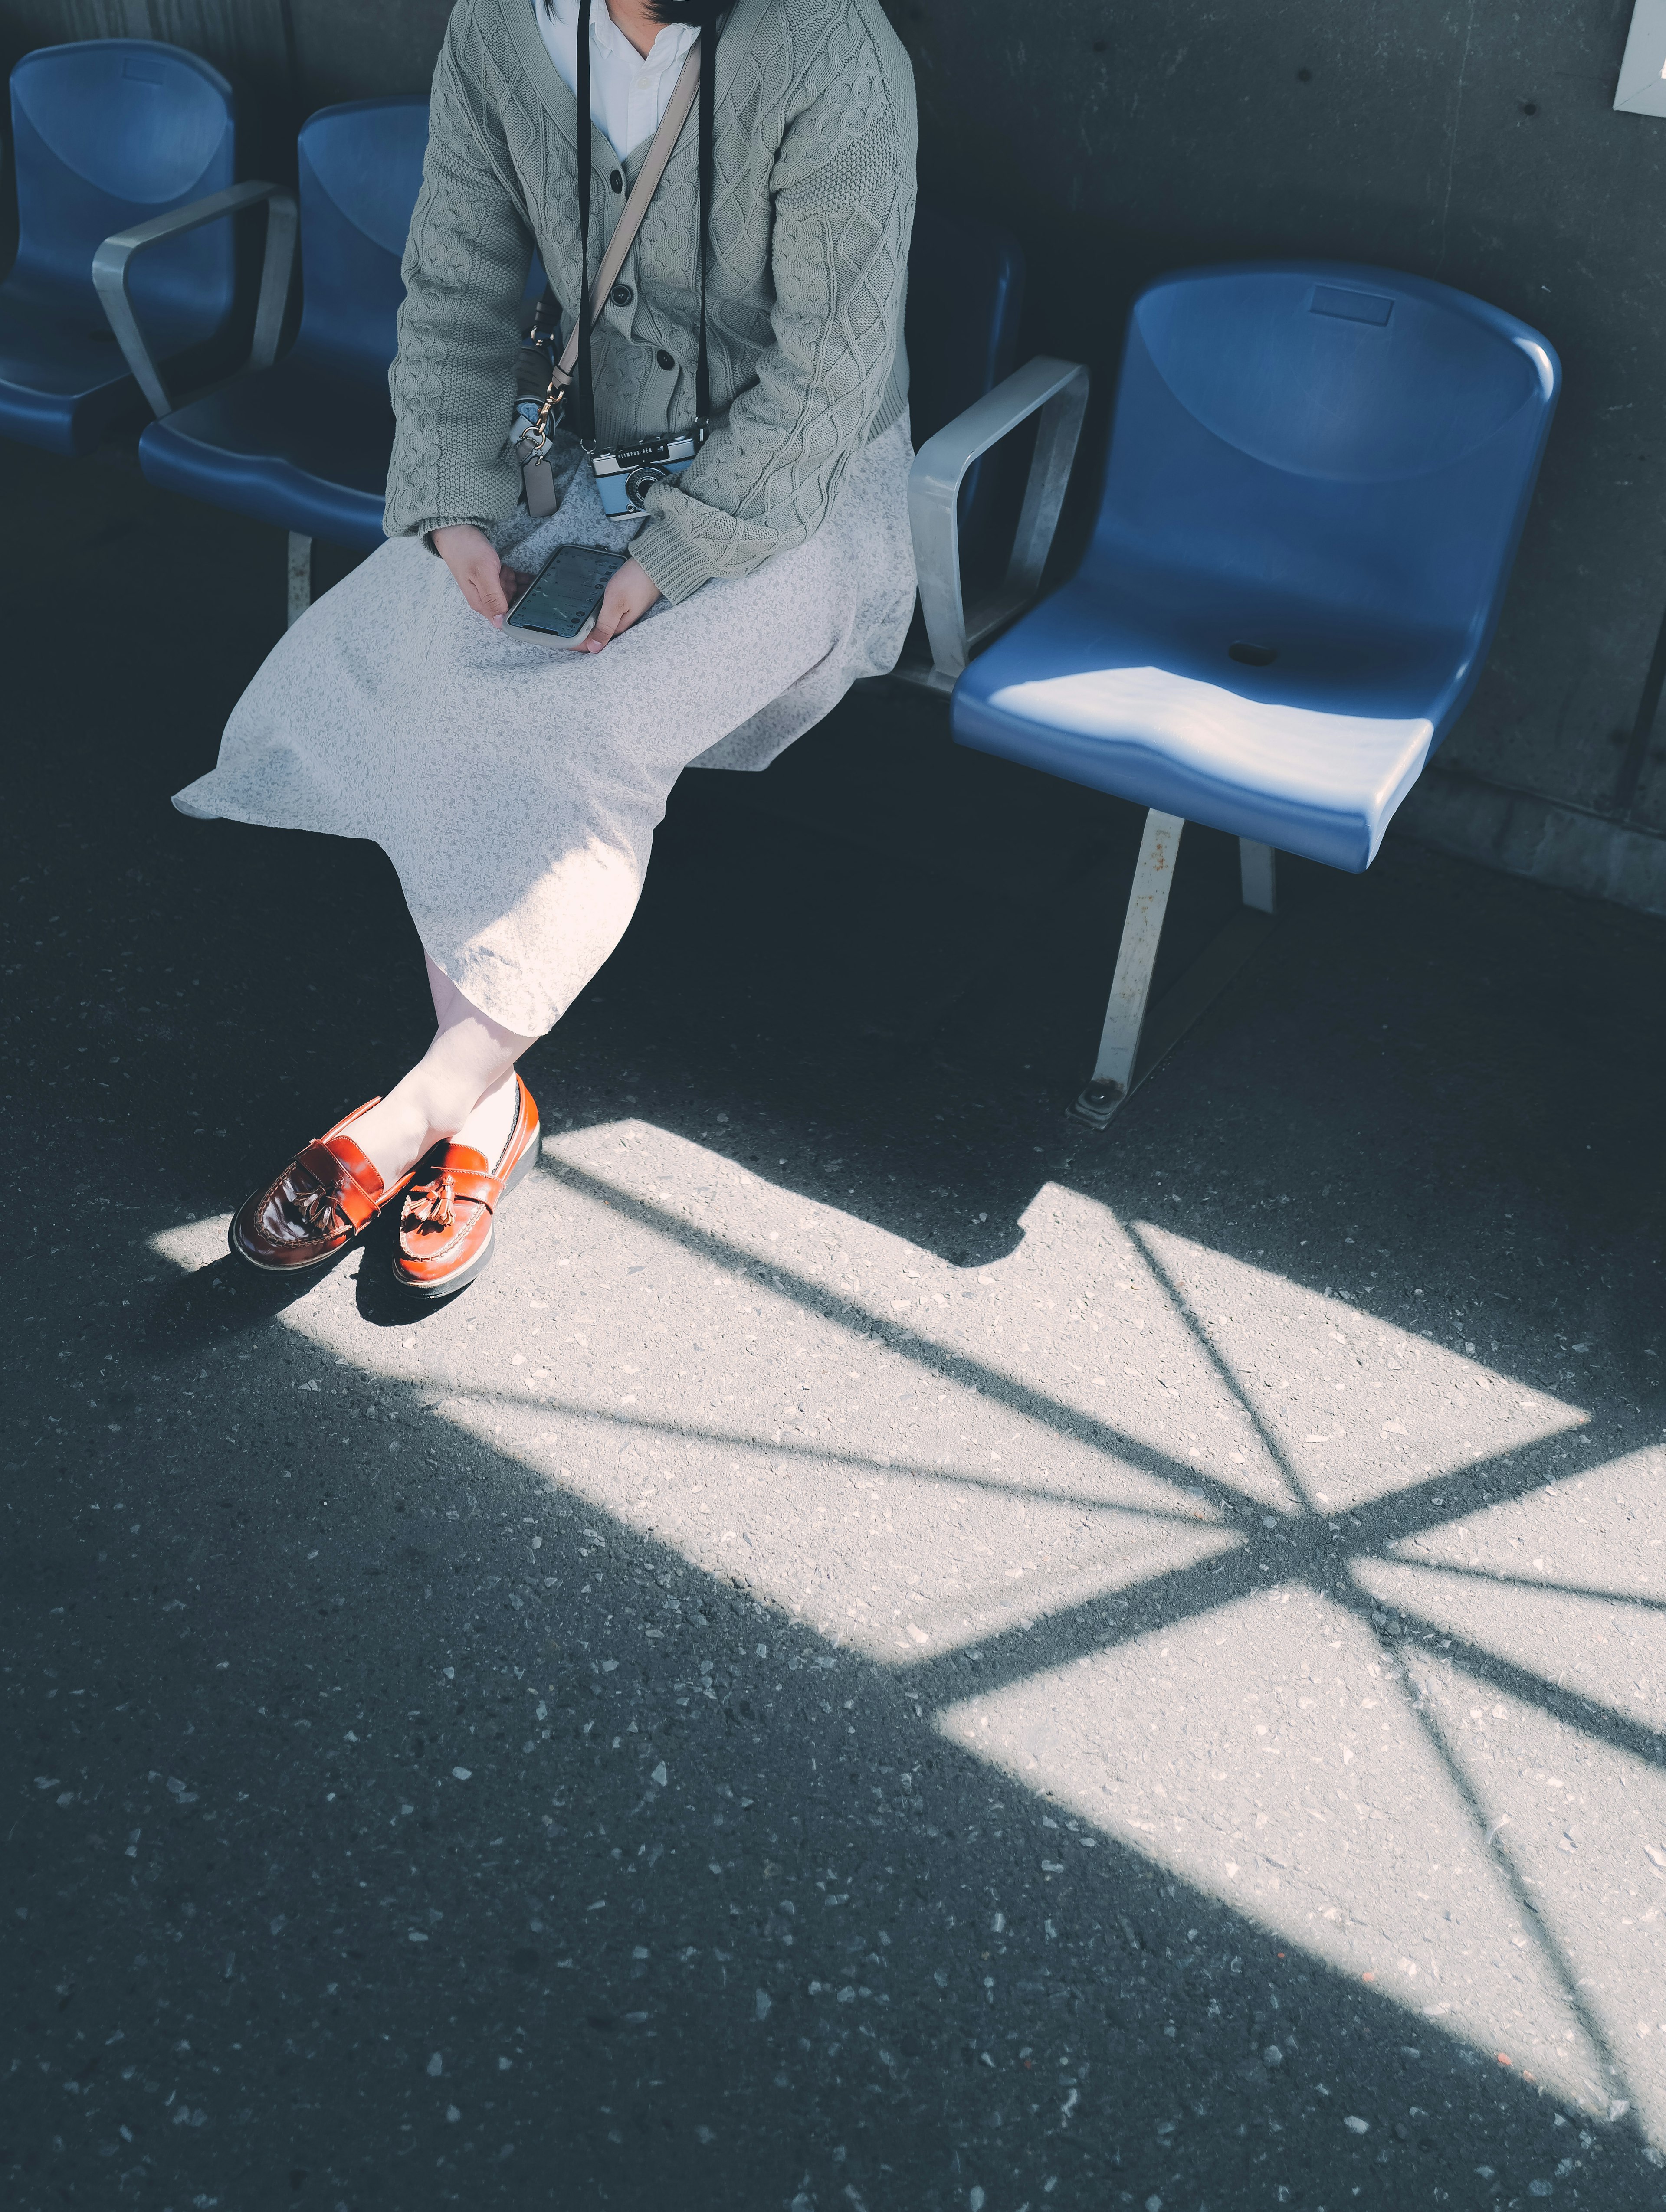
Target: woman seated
[514, 786]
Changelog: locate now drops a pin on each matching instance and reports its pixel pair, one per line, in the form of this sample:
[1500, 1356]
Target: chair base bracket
[1099, 1105]
[1185, 1000]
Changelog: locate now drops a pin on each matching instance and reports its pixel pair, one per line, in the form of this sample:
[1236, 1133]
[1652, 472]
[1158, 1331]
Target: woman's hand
[484, 582]
[628, 598]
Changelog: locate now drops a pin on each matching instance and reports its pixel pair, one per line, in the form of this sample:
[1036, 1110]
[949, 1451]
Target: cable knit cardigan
[813, 205]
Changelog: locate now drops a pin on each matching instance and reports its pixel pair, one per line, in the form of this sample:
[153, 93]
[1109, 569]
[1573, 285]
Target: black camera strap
[584, 423]
[702, 372]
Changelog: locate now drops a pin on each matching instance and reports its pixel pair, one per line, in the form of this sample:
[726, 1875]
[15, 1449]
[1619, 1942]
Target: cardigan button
[621, 295]
[664, 359]
[617, 181]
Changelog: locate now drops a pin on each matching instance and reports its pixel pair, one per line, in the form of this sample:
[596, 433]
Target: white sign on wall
[1642, 87]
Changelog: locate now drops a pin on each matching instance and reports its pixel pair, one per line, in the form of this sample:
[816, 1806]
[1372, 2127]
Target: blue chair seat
[299, 444]
[63, 380]
[1125, 681]
[109, 132]
[1318, 478]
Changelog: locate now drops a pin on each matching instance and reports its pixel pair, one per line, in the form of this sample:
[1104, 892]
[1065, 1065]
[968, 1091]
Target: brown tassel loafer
[324, 1198]
[447, 1228]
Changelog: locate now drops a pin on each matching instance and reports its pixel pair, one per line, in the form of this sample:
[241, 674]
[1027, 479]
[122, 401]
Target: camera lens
[642, 481]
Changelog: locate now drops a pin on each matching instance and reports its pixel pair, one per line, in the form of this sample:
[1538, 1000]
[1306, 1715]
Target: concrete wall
[1470, 140]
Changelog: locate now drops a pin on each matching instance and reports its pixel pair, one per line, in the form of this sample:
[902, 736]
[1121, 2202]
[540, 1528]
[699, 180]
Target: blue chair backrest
[1366, 440]
[965, 297]
[360, 169]
[109, 132]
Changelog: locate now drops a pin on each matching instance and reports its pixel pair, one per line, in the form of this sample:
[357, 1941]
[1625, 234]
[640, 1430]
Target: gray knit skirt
[516, 787]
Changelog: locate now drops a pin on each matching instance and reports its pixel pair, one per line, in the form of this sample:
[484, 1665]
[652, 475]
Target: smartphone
[559, 605]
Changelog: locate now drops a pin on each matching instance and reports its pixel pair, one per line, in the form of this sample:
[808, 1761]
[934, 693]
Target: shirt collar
[669, 44]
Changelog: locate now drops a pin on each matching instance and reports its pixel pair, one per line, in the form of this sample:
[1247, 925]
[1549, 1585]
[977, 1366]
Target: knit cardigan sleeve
[843, 195]
[466, 267]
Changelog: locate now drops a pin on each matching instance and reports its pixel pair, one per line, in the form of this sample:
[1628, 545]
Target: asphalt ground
[893, 1653]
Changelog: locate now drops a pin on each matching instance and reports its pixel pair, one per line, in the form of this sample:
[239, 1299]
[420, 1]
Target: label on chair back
[1350, 306]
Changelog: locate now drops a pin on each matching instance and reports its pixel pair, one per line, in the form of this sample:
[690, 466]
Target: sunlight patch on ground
[1267, 1753]
[908, 1562]
[1029, 1460]
[1579, 1533]
[1092, 1312]
[193, 1245]
[1355, 1405]
[1612, 1655]
[767, 1401]
[1580, 1827]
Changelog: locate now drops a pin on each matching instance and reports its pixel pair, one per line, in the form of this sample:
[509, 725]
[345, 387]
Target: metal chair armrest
[1057, 391]
[112, 261]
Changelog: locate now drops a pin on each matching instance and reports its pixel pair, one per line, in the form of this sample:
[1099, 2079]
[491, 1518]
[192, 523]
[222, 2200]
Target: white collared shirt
[629, 91]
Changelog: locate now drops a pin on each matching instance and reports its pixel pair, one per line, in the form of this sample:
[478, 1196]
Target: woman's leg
[462, 1086]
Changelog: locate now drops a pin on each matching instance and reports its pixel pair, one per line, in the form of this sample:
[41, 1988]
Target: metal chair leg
[300, 577]
[1132, 1045]
[1136, 959]
[1258, 873]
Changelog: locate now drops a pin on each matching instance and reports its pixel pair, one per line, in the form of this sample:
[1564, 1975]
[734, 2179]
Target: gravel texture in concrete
[893, 1655]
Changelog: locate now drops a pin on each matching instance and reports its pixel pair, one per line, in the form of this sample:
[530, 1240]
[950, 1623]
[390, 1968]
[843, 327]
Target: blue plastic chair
[107, 132]
[305, 443]
[1317, 479]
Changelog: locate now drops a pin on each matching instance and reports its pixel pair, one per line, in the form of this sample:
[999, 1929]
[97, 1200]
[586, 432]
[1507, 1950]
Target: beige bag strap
[683, 96]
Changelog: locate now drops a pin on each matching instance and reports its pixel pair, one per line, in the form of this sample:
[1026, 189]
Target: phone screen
[567, 590]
